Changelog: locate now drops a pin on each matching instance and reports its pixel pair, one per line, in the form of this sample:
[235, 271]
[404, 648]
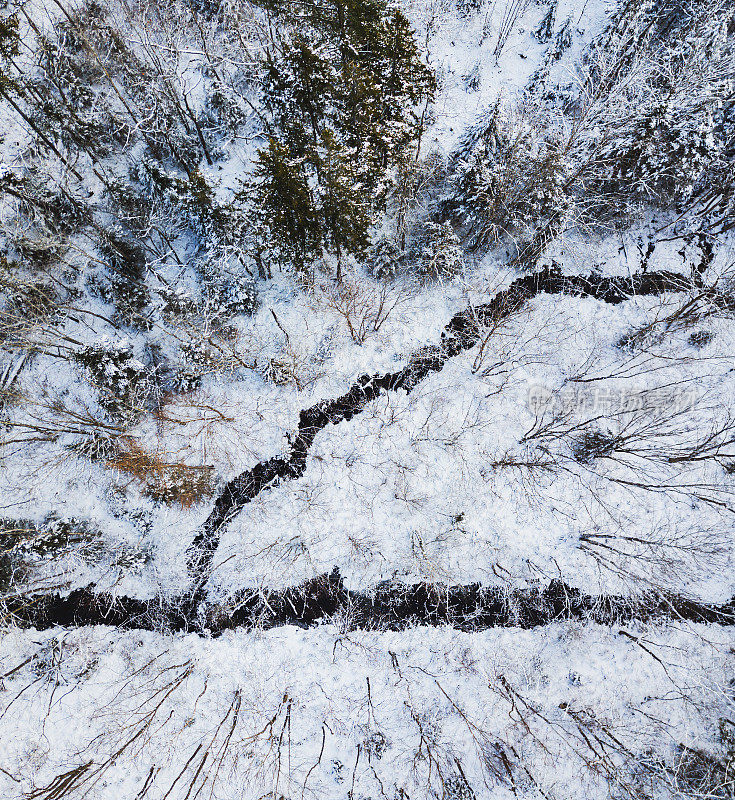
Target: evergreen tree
[9, 42]
[284, 197]
[342, 83]
[345, 210]
[545, 30]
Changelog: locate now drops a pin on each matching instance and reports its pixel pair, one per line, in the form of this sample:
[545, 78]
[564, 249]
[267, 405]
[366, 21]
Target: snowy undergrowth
[559, 712]
[440, 485]
[462, 40]
[242, 380]
[466, 479]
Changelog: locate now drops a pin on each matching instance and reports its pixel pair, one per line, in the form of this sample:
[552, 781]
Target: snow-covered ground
[545, 713]
[422, 486]
[479, 474]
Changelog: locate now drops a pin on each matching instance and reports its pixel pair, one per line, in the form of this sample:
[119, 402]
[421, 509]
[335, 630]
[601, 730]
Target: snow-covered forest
[367, 399]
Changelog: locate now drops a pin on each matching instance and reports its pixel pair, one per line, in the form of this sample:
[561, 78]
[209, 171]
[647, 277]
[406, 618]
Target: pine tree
[9, 40]
[345, 210]
[545, 30]
[342, 81]
[283, 194]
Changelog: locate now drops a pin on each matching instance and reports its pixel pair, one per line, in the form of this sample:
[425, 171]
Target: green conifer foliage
[343, 81]
[285, 199]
